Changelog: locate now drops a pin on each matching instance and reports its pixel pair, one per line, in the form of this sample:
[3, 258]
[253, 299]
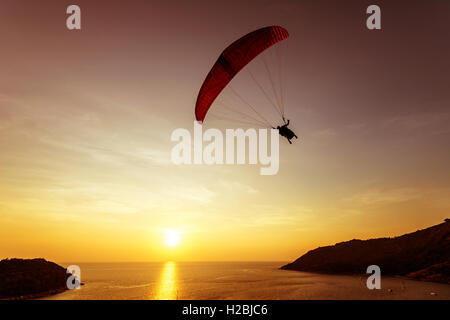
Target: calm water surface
[234, 280]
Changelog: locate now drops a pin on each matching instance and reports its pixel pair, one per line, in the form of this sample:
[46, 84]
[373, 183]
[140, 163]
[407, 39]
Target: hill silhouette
[30, 278]
[424, 255]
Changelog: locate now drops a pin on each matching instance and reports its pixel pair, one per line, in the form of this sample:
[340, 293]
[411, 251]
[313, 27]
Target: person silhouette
[284, 131]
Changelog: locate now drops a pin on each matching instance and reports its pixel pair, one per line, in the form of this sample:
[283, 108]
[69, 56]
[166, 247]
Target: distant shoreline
[423, 255]
[22, 279]
[362, 274]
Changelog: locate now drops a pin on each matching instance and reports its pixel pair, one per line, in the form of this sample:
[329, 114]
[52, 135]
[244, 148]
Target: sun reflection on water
[167, 289]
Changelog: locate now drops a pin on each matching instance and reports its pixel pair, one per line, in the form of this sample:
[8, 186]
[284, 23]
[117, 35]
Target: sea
[233, 280]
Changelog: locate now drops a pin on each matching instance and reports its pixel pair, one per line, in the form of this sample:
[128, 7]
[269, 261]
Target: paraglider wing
[235, 57]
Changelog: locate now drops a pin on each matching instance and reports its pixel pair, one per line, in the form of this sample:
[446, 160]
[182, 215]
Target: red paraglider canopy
[235, 57]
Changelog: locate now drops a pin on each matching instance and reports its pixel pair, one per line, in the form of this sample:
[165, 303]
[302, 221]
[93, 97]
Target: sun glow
[172, 238]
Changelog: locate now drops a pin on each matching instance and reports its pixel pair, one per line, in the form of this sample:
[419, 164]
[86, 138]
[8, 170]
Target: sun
[172, 238]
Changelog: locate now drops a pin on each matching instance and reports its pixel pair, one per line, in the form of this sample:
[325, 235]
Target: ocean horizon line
[176, 261]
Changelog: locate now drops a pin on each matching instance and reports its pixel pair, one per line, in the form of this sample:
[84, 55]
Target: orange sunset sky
[86, 118]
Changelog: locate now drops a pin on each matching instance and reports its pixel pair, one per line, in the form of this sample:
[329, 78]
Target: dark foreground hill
[31, 278]
[424, 255]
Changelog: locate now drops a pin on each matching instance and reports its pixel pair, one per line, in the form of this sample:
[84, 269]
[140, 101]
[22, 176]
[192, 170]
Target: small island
[421, 255]
[30, 278]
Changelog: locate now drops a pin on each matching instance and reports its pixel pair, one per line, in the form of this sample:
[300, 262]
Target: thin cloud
[383, 197]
